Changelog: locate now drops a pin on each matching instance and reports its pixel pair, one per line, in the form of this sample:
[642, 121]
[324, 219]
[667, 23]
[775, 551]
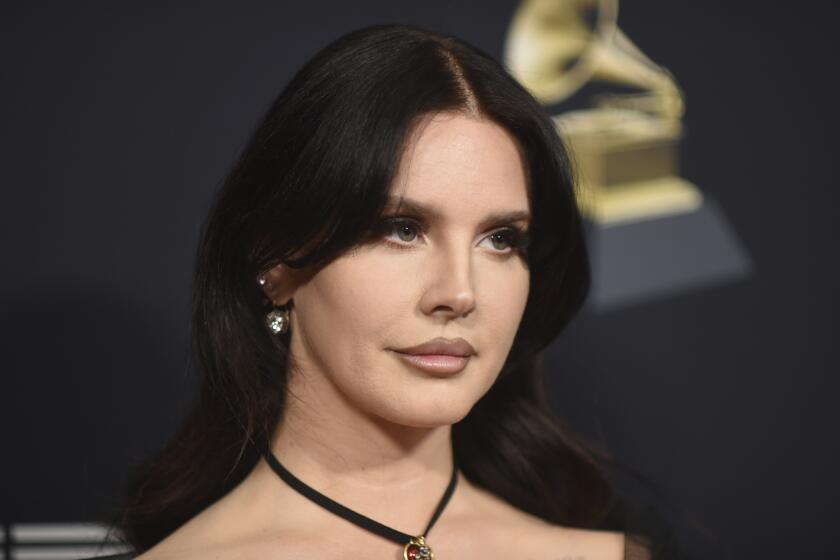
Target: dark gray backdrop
[118, 120]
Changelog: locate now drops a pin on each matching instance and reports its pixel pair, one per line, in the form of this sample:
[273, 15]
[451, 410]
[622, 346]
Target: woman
[378, 274]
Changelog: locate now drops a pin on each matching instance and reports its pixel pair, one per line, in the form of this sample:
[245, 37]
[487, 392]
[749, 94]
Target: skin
[370, 431]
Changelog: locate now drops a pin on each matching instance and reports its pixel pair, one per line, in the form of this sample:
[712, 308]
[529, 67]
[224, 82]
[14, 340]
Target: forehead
[462, 163]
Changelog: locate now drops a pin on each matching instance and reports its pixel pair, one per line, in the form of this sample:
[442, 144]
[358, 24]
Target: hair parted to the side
[311, 184]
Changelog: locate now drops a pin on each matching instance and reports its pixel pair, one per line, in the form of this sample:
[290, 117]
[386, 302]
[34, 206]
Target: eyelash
[517, 241]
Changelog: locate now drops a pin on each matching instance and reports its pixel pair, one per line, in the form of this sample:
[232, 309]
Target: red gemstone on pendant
[418, 552]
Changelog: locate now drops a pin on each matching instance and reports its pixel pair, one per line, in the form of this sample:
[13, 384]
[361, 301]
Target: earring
[277, 320]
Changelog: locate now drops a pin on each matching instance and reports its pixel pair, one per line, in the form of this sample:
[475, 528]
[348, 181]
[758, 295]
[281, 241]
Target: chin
[430, 414]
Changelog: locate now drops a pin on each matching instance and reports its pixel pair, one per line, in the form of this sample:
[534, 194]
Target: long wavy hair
[310, 184]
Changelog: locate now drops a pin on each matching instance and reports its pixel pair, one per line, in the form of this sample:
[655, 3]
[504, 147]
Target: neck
[360, 450]
[367, 464]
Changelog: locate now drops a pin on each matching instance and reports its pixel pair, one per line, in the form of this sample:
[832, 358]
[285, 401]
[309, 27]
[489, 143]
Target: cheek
[350, 307]
[503, 295]
[347, 315]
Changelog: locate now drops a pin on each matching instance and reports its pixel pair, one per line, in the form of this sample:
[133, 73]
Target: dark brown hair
[310, 184]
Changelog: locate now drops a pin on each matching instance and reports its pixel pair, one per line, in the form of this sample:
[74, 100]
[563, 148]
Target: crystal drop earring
[277, 320]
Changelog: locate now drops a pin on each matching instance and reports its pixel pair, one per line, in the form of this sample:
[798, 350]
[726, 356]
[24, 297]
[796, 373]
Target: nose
[450, 292]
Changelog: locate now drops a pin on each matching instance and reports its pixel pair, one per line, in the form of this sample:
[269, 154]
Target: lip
[442, 347]
[438, 364]
[438, 356]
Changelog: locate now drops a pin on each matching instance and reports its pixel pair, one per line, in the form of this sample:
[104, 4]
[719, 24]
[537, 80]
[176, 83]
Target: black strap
[352, 516]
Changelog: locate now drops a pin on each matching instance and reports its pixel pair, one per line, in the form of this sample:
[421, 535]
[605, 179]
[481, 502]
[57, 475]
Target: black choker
[415, 547]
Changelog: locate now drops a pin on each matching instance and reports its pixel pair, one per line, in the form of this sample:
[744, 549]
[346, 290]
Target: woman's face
[445, 265]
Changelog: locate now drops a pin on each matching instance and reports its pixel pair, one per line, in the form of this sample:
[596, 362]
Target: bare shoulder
[528, 536]
[583, 544]
[252, 547]
[545, 541]
[479, 525]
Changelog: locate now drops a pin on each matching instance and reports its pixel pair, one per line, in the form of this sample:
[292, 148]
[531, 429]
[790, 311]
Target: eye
[406, 230]
[508, 240]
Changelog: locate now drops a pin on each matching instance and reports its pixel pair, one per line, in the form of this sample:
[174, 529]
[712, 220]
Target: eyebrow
[433, 213]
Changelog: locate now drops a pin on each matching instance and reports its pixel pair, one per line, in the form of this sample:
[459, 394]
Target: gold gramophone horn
[627, 146]
[555, 46]
[549, 44]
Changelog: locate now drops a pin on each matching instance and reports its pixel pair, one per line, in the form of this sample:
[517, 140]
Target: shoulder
[555, 541]
[529, 536]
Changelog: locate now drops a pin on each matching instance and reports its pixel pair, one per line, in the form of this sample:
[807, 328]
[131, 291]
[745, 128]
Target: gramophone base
[644, 261]
[641, 200]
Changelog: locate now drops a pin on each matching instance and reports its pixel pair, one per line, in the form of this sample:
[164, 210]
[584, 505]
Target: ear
[279, 283]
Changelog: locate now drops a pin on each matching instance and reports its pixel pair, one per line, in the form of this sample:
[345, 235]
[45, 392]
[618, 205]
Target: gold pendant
[417, 549]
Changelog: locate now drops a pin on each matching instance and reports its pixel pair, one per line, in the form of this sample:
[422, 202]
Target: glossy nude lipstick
[439, 356]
